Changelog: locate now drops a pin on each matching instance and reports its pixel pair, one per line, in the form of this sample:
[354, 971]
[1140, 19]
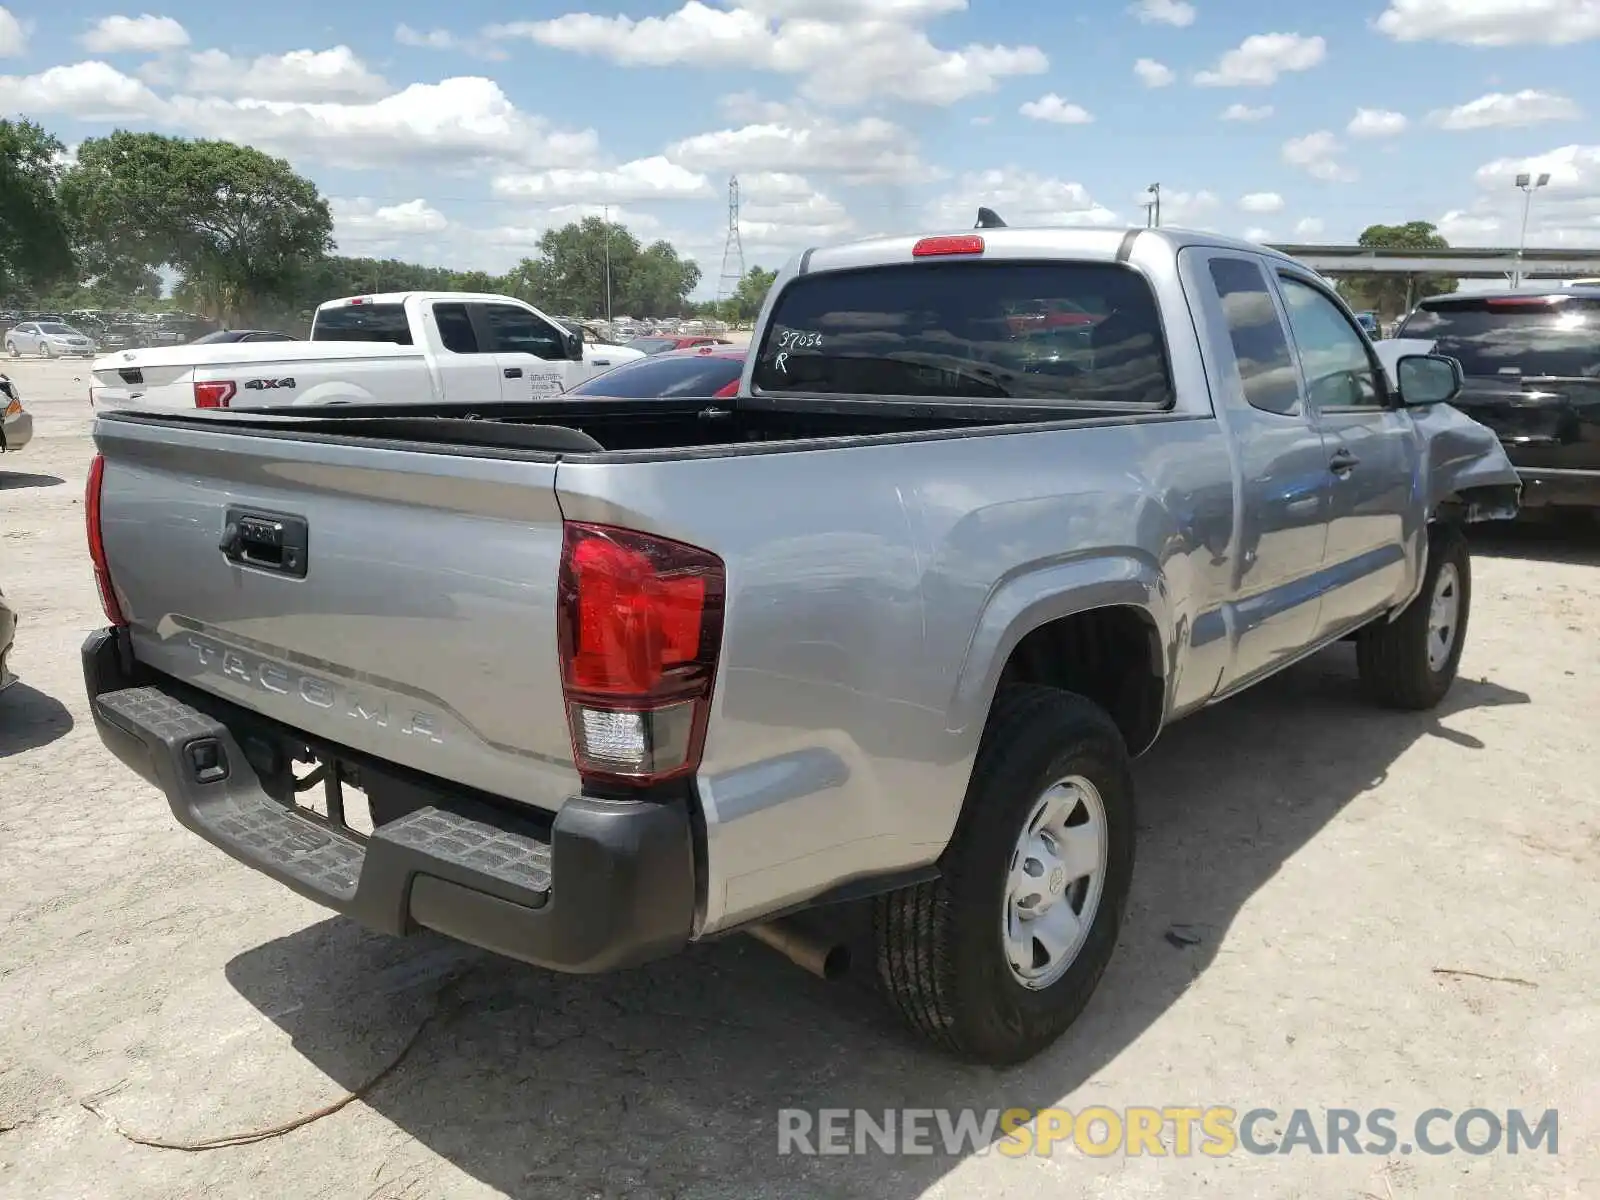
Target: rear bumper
[1548, 488]
[609, 884]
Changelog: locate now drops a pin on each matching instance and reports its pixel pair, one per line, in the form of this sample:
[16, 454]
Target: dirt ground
[1325, 862]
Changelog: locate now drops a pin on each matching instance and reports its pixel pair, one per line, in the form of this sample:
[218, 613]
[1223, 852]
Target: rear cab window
[1544, 336]
[362, 323]
[1067, 333]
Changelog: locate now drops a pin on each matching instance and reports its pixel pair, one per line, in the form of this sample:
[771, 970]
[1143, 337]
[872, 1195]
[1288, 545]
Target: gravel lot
[1328, 857]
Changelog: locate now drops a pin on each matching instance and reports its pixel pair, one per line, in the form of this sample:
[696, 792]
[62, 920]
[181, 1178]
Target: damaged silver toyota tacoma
[989, 511]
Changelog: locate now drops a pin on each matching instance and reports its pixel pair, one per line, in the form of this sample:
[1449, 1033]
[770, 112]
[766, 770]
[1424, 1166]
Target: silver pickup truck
[613, 676]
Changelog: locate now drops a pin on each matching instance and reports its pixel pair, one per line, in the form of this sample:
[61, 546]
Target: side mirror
[1426, 379]
[575, 344]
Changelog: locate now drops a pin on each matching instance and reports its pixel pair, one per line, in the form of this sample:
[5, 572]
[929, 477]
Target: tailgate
[1544, 423]
[409, 612]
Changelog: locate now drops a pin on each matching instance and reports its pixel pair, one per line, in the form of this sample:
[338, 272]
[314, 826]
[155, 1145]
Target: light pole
[1528, 186]
[1152, 207]
[607, 219]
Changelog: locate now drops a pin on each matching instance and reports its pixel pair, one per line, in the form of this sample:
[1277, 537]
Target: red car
[669, 342]
[703, 372]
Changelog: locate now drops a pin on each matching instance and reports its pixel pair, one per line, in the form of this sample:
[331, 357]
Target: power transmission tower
[733, 248]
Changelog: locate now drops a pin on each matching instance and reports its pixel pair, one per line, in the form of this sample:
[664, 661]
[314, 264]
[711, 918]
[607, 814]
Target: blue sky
[459, 141]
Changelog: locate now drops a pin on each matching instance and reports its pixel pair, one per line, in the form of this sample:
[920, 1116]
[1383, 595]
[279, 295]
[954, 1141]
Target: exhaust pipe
[824, 959]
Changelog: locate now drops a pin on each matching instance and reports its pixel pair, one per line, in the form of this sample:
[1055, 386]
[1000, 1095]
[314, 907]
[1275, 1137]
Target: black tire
[940, 955]
[1392, 656]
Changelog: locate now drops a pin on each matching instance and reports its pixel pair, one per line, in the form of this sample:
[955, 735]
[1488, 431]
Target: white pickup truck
[395, 348]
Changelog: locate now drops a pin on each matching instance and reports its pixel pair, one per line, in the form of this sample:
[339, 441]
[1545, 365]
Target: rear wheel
[1411, 662]
[998, 956]
[11, 349]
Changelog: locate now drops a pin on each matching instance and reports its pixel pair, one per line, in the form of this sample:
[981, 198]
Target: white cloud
[1261, 202]
[431, 39]
[1376, 123]
[1164, 12]
[13, 37]
[135, 35]
[1243, 112]
[1317, 155]
[309, 75]
[1152, 73]
[1565, 213]
[844, 52]
[1309, 227]
[1503, 110]
[1261, 58]
[868, 149]
[777, 207]
[359, 220]
[1179, 207]
[1257, 234]
[89, 91]
[643, 179]
[1053, 108]
[1458, 226]
[1020, 197]
[1492, 22]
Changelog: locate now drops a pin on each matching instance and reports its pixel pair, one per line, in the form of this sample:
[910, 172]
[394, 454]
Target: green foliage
[1392, 295]
[237, 223]
[568, 275]
[35, 245]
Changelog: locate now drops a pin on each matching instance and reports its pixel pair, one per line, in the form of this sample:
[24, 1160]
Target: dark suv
[1532, 362]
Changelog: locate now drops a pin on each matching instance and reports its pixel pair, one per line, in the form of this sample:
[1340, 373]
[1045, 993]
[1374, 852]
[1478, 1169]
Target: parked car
[1369, 323]
[51, 339]
[225, 336]
[708, 372]
[8, 637]
[16, 423]
[1532, 363]
[403, 347]
[617, 676]
[662, 345]
[122, 336]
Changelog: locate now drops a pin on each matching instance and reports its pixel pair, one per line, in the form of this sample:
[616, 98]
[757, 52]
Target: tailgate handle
[275, 542]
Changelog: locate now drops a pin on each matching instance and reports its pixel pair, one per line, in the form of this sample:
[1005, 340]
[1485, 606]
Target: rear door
[466, 371]
[1373, 456]
[530, 351]
[1282, 463]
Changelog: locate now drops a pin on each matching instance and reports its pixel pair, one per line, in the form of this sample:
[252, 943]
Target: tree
[237, 224]
[751, 293]
[568, 275]
[35, 245]
[1393, 295]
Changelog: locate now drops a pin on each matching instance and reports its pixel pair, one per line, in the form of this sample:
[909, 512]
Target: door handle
[1343, 462]
[513, 372]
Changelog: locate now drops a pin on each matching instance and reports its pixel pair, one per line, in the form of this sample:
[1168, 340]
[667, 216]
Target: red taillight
[961, 243]
[97, 546]
[639, 623]
[1523, 301]
[213, 395]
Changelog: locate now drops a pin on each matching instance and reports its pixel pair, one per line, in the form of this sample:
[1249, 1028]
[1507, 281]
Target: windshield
[689, 376]
[1062, 332]
[1534, 335]
[56, 327]
[362, 323]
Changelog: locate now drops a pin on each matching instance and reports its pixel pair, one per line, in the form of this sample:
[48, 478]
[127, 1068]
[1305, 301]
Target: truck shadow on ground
[668, 1080]
[25, 479]
[30, 719]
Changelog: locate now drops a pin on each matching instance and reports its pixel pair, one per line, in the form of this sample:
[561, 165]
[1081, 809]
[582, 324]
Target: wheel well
[1111, 656]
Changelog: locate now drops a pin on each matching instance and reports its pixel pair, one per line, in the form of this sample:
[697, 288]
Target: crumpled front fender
[1464, 463]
